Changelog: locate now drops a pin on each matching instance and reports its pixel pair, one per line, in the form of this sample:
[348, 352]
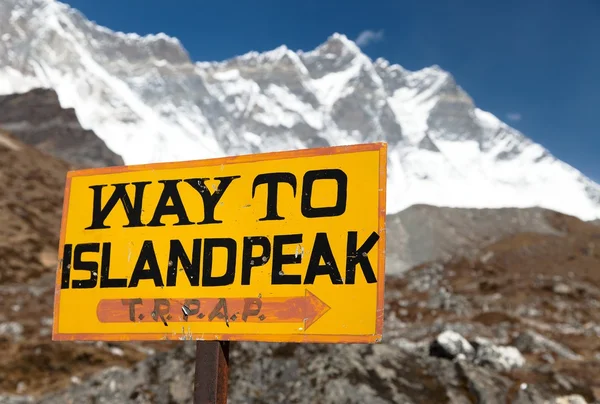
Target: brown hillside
[32, 184]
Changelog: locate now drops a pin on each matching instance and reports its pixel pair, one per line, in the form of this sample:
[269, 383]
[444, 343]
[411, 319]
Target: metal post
[212, 372]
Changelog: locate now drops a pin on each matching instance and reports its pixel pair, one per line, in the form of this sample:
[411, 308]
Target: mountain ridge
[150, 102]
[36, 118]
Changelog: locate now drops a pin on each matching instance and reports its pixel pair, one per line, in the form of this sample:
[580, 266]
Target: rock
[526, 394]
[561, 289]
[501, 358]
[116, 351]
[487, 386]
[37, 118]
[13, 399]
[572, 399]
[564, 382]
[11, 329]
[532, 342]
[300, 373]
[449, 345]
[444, 300]
[484, 385]
[452, 345]
[163, 378]
[491, 388]
[21, 387]
[596, 393]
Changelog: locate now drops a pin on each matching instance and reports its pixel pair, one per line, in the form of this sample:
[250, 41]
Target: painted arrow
[305, 309]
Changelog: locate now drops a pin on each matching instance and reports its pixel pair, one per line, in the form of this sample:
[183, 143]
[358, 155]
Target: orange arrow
[306, 309]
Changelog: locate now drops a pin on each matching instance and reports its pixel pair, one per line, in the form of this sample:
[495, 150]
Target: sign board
[285, 246]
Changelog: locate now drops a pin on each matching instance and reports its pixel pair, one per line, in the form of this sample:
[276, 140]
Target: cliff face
[37, 118]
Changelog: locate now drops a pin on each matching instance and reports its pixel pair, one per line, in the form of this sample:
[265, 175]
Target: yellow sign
[285, 246]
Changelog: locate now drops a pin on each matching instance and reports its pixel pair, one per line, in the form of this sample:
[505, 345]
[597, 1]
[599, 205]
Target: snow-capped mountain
[149, 102]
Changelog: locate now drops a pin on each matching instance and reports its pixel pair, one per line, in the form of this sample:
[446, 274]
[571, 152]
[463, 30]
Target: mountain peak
[342, 38]
[59, 8]
[143, 97]
[339, 45]
[272, 55]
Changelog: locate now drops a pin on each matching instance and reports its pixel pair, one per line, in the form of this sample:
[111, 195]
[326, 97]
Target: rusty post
[212, 372]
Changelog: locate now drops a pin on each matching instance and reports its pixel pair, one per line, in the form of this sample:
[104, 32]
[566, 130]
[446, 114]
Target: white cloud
[368, 37]
[514, 116]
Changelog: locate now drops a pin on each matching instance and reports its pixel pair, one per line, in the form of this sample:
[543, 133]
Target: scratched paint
[206, 233]
[304, 310]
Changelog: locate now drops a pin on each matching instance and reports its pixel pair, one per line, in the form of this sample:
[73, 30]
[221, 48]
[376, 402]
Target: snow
[348, 44]
[460, 177]
[333, 86]
[487, 119]
[227, 75]
[13, 81]
[290, 102]
[160, 63]
[252, 138]
[412, 104]
[155, 110]
[16, 15]
[276, 53]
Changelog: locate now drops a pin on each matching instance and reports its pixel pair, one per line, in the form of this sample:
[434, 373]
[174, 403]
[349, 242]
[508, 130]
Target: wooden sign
[286, 246]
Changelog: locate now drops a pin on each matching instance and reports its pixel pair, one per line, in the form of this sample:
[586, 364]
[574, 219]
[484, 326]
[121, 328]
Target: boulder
[449, 345]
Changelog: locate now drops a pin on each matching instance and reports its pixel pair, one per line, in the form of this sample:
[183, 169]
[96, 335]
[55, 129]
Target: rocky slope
[32, 184]
[425, 233]
[30, 212]
[526, 304]
[149, 102]
[519, 323]
[37, 118]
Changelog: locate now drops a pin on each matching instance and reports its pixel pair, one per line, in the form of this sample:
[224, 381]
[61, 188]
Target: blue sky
[535, 64]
